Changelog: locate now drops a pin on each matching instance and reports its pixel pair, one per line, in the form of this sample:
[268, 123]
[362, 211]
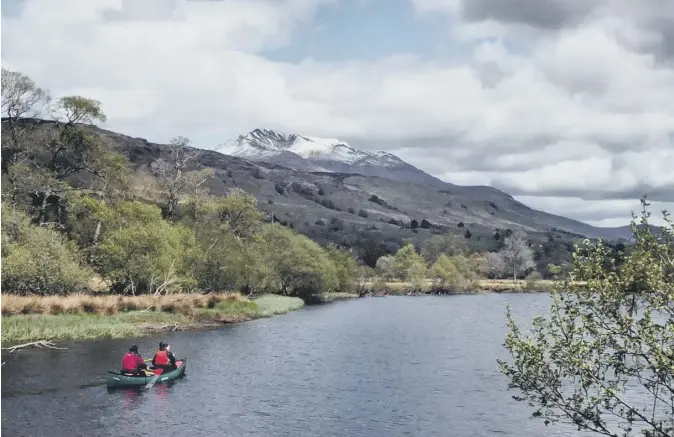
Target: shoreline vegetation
[83, 230]
[86, 317]
[35, 318]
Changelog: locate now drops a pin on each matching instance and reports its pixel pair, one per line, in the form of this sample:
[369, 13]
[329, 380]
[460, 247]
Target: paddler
[132, 362]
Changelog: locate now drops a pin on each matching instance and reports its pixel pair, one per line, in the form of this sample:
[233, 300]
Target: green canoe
[116, 379]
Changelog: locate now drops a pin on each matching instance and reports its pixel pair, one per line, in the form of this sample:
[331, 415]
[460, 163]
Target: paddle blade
[158, 371]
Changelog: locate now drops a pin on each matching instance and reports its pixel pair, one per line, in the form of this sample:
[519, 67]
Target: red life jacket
[129, 361]
[161, 358]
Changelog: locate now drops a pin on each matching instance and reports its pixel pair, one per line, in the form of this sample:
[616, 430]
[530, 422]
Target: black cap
[161, 344]
[133, 348]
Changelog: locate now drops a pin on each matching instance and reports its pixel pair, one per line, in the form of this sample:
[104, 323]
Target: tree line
[70, 213]
[451, 264]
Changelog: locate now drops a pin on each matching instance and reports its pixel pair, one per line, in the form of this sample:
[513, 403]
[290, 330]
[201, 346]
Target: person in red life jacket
[163, 358]
[132, 362]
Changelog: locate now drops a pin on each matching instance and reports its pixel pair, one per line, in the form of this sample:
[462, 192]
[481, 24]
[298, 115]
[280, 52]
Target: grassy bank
[80, 317]
[381, 288]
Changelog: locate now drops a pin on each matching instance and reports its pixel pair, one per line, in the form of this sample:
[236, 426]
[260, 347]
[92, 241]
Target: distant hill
[434, 197]
[369, 201]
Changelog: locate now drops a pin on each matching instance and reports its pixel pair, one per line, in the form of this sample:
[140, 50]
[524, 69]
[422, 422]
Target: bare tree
[516, 254]
[492, 265]
[171, 173]
[21, 98]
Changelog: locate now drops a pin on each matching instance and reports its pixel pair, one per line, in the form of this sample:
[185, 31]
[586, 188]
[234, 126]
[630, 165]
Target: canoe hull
[116, 379]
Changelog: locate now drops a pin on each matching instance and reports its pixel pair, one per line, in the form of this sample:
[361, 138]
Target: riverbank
[393, 288]
[80, 317]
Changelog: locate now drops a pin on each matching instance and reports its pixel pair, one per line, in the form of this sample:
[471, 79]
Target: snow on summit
[264, 143]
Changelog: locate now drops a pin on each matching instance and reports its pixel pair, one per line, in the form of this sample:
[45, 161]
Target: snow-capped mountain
[322, 155]
[264, 143]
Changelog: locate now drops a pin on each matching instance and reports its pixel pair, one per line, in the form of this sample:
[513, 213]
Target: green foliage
[37, 258]
[408, 265]
[447, 244]
[553, 270]
[347, 268]
[77, 109]
[603, 359]
[455, 272]
[299, 266]
[147, 257]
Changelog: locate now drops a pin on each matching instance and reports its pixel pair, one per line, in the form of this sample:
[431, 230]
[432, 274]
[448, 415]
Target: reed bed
[82, 316]
[186, 304]
[476, 286]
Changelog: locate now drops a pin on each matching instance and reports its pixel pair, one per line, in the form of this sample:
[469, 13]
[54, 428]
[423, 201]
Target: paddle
[157, 372]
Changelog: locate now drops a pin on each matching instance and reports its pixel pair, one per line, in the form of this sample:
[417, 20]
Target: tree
[448, 244]
[21, 98]
[491, 265]
[414, 224]
[38, 259]
[516, 254]
[346, 268]
[384, 267]
[425, 224]
[553, 270]
[408, 265]
[603, 359]
[171, 171]
[300, 266]
[151, 256]
[43, 161]
[456, 272]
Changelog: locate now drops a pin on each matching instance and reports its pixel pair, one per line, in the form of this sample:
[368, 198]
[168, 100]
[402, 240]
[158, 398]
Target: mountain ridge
[333, 155]
[367, 203]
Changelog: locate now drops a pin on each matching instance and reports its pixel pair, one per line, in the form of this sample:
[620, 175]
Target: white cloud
[607, 213]
[576, 107]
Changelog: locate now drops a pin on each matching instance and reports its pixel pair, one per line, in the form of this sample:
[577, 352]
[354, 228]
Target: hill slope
[321, 186]
[434, 199]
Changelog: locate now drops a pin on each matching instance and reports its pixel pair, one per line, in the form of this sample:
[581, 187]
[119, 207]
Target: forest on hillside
[73, 219]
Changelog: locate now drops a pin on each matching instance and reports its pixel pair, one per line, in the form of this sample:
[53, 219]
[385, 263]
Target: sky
[568, 105]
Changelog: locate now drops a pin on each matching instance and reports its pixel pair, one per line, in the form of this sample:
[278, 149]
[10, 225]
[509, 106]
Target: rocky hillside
[440, 202]
[370, 201]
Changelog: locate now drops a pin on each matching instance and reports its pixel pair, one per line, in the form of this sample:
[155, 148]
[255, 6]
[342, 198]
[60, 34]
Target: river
[392, 366]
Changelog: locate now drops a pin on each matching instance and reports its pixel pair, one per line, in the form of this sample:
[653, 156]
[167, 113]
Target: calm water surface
[394, 366]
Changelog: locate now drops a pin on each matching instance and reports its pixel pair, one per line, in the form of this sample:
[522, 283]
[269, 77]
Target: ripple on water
[398, 366]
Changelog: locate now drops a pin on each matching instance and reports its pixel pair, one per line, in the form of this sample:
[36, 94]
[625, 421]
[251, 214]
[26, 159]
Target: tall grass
[78, 317]
[186, 304]
[82, 326]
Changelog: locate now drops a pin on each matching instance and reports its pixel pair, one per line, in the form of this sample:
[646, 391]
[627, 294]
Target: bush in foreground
[604, 358]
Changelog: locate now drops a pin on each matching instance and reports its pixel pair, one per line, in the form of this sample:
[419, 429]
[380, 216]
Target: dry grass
[76, 317]
[504, 285]
[478, 286]
[186, 304]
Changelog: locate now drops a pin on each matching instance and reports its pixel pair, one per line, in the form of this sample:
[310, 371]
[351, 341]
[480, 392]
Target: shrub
[38, 259]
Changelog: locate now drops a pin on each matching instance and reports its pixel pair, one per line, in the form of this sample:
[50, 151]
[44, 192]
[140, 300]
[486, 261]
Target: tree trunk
[42, 212]
[98, 232]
